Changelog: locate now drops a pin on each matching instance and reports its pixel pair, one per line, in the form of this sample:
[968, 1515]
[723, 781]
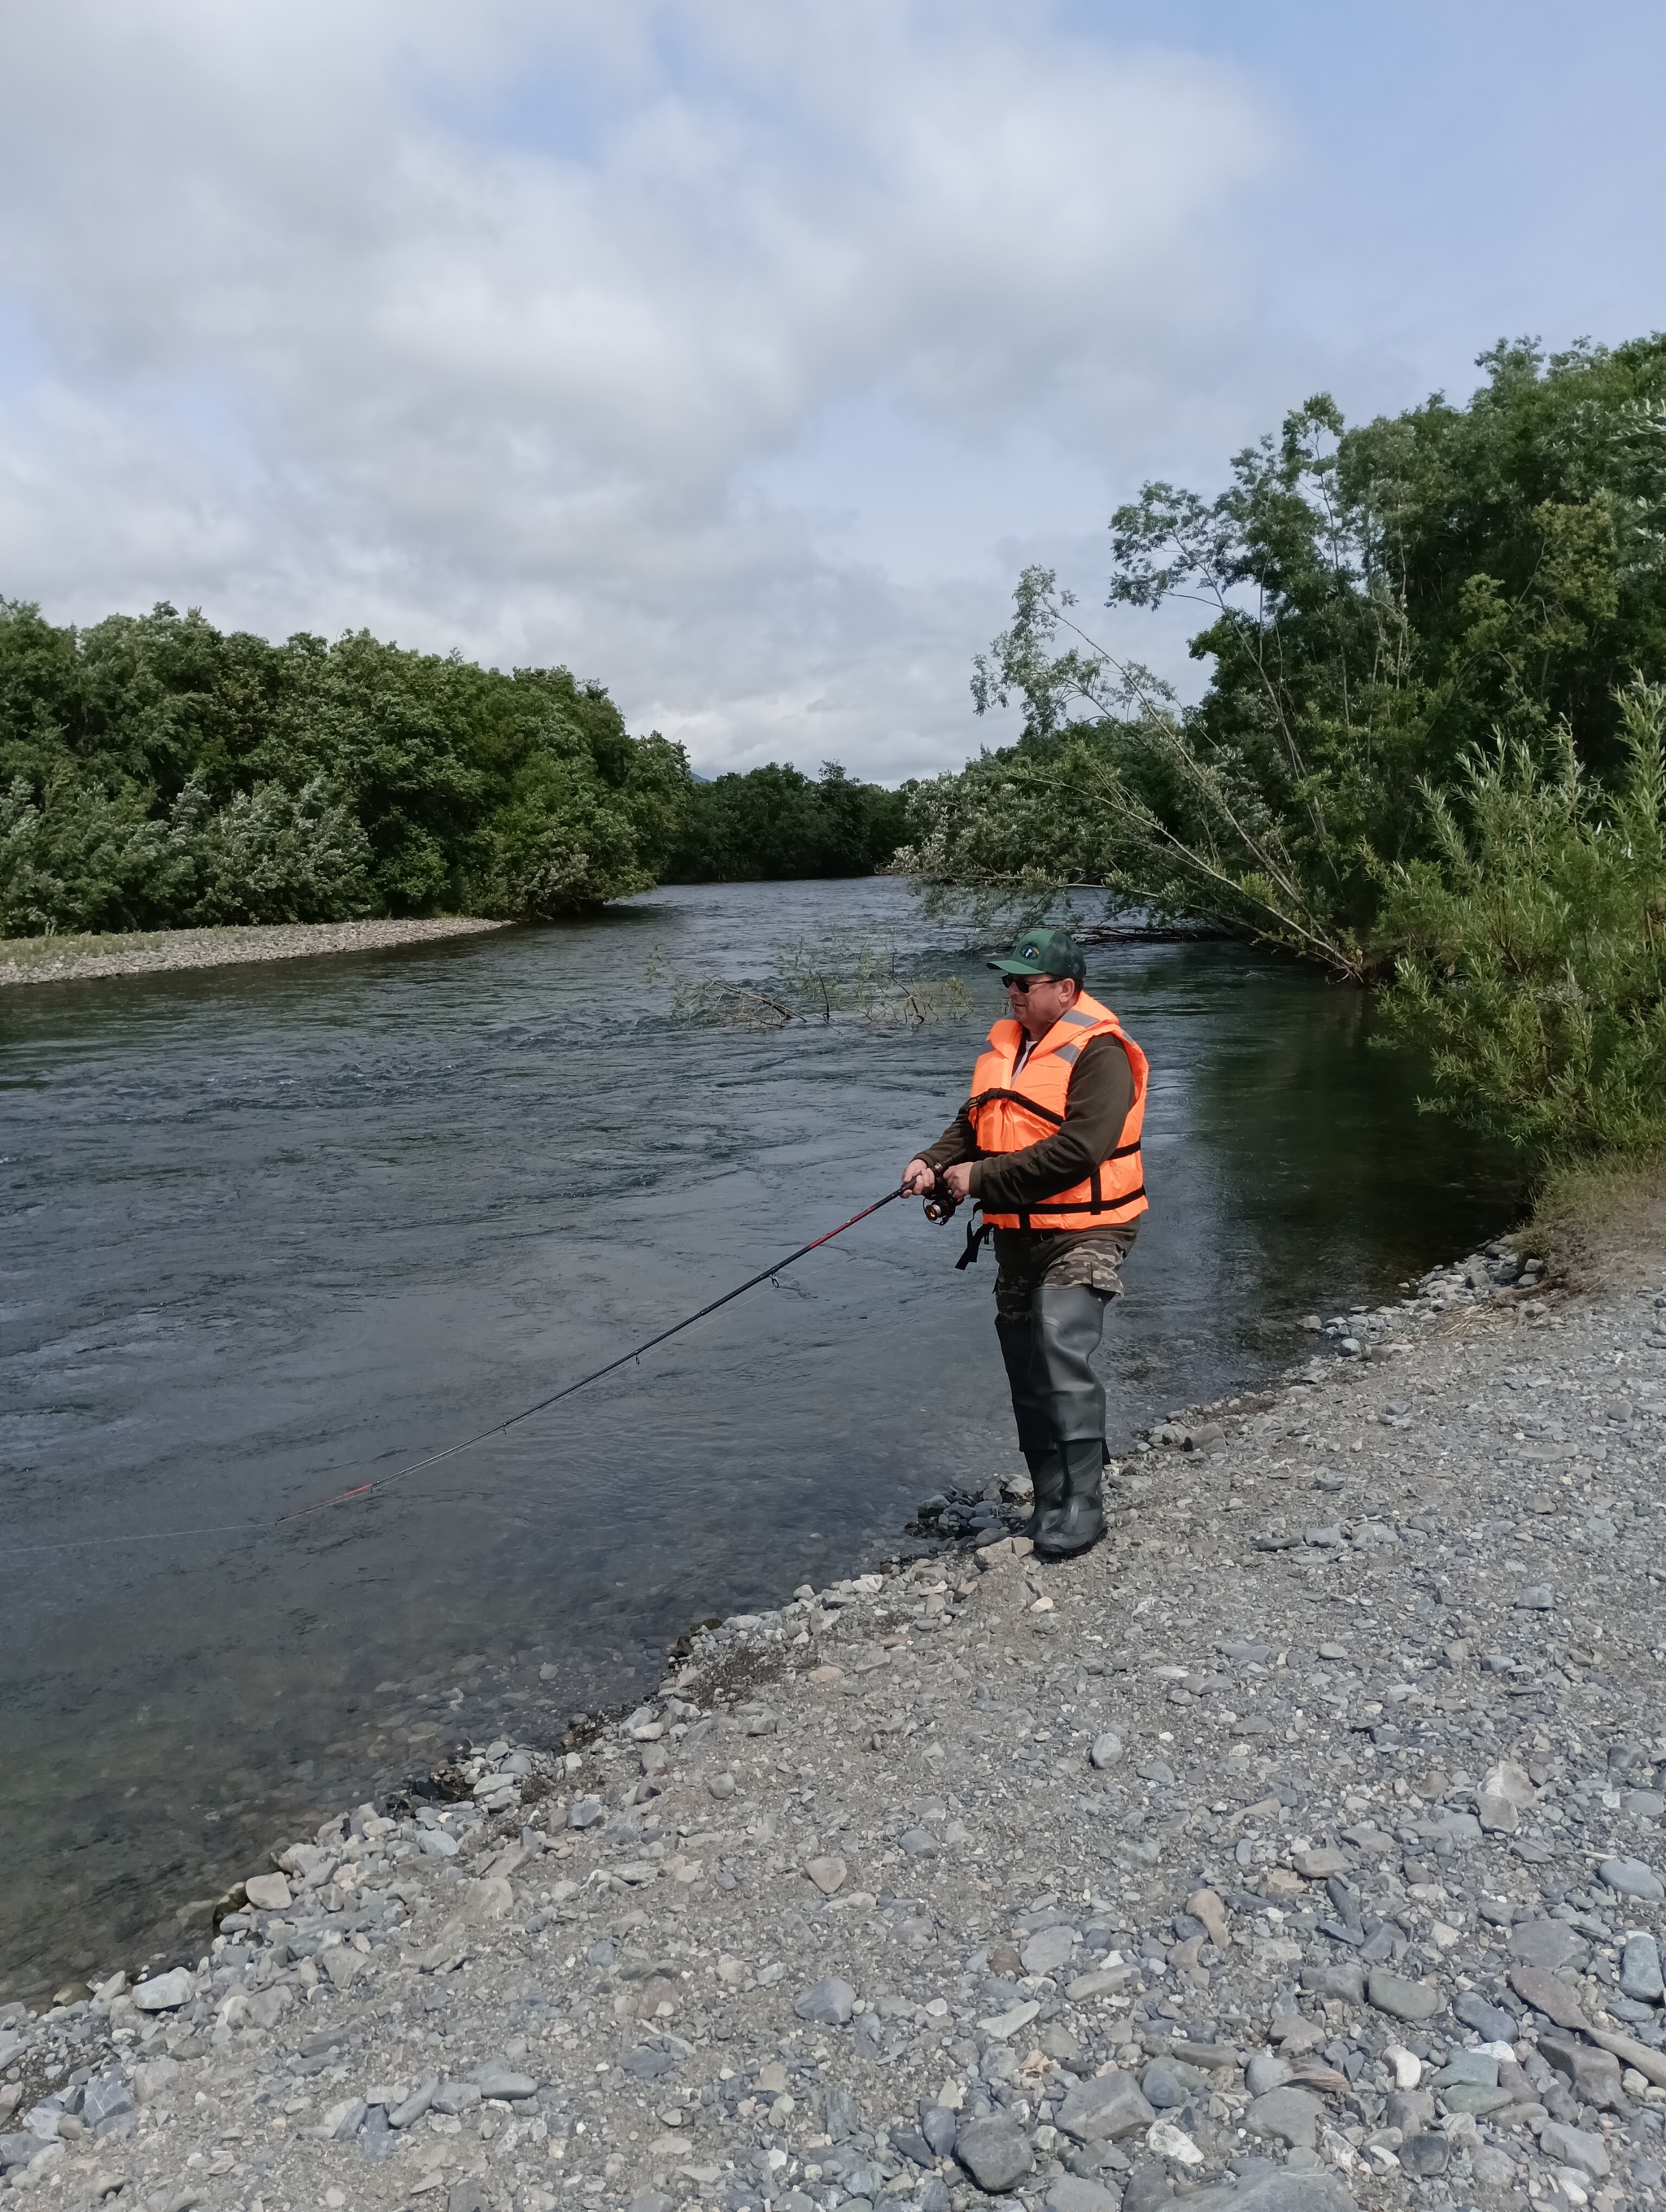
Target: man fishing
[1047, 1145]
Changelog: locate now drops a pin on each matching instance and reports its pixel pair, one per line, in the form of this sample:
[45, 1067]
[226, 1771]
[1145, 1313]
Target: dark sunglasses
[1023, 982]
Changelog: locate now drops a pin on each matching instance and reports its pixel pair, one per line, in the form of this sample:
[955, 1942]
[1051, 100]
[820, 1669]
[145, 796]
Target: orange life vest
[1011, 1110]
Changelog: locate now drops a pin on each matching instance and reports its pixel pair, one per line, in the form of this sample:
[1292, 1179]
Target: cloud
[551, 332]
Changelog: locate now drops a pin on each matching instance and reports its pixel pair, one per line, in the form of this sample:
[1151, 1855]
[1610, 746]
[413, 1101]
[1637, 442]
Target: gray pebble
[1633, 1879]
[939, 2126]
[1424, 2155]
[1640, 1968]
[1404, 1999]
[995, 2152]
[830, 2004]
[1489, 2021]
[1265, 2071]
[1548, 1943]
[1104, 2108]
[1292, 2115]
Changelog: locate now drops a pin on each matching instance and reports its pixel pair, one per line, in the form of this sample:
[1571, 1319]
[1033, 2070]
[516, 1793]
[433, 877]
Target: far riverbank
[154, 951]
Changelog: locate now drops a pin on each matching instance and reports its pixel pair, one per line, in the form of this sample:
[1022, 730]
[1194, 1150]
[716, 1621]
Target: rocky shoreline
[152, 952]
[1299, 1848]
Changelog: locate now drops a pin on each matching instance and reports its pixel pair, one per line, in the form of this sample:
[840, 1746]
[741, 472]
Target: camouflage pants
[1025, 1259]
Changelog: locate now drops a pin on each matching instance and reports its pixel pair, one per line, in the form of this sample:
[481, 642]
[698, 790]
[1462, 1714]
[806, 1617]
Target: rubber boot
[1065, 1326]
[1047, 1473]
[1081, 1522]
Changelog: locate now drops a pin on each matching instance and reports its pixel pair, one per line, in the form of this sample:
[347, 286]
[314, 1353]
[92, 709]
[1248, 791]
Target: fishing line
[363, 1490]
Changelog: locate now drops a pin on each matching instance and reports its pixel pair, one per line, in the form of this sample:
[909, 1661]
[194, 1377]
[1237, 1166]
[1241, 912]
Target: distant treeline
[773, 822]
[156, 772]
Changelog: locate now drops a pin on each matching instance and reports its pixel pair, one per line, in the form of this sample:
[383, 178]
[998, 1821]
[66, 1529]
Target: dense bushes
[1532, 960]
[1422, 759]
[155, 772]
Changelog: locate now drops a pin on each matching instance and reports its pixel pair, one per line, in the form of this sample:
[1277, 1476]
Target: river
[271, 1230]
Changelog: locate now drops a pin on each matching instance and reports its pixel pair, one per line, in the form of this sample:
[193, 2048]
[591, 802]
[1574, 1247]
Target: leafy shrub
[91, 861]
[1531, 949]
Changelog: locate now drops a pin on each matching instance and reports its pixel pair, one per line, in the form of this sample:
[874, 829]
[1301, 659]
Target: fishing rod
[365, 1489]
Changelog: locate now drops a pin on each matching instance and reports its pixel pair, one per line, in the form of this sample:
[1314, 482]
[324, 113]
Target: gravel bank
[150, 952]
[1299, 1848]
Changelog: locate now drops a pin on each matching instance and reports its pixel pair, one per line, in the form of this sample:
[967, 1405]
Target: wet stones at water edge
[861, 1909]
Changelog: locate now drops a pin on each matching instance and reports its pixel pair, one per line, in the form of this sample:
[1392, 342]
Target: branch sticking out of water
[839, 977]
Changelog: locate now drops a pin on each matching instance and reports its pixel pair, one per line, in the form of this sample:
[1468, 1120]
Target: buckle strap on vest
[973, 1243]
[1081, 1205]
[1016, 1098]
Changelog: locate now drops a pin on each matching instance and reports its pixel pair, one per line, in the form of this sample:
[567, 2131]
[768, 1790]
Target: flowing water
[270, 1230]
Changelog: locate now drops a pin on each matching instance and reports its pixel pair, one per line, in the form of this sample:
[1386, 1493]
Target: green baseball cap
[1044, 953]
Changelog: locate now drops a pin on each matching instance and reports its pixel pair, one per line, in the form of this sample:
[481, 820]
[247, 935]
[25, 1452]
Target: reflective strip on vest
[1013, 1108]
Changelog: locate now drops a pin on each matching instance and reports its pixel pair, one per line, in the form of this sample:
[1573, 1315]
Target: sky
[740, 355]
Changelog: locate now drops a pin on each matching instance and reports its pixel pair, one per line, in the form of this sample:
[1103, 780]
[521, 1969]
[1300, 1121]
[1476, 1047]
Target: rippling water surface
[270, 1230]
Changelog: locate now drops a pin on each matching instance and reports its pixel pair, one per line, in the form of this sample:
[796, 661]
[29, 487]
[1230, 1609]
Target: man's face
[1040, 1007]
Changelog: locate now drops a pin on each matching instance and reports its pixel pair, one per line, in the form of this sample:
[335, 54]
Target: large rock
[1099, 1982]
[1292, 2115]
[1048, 1950]
[1574, 2147]
[1547, 1994]
[1335, 1980]
[1276, 2189]
[1320, 1863]
[1550, 1944]
[1633, 1879]
[268, 1892]
[1102, 2109]
[830, 2004]
[996, 2152]
[164, 1992]
[1266, 2070]
[1423, 2156]
[1640, 1967]
[1074, 2192]
[502, 2082]
[1509, 1781]
[106, 2097]
[152, 2076]
[1404, 1999]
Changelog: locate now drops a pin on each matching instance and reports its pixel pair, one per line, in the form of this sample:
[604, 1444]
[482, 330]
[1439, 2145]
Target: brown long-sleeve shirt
[1097, 1103]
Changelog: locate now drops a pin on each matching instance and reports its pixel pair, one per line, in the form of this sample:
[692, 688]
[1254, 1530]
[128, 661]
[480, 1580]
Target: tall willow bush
[1424, 756]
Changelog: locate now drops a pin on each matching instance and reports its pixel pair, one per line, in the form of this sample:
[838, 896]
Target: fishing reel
[941, 1203]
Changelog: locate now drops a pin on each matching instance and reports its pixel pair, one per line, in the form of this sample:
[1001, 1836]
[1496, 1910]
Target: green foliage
[773, 821]
[1531, 952]
[87, 861]
[159, 773]
[1380, 601]
[1430, 750]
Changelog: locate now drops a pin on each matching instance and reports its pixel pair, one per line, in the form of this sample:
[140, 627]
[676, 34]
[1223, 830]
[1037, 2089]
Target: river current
[271, 1230]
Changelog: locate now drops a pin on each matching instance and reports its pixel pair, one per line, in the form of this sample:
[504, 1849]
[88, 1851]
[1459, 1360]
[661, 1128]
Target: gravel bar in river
[150, 952]
[1299, 1848]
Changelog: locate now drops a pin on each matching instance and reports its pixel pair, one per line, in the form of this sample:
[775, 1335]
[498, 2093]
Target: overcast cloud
[739, 354]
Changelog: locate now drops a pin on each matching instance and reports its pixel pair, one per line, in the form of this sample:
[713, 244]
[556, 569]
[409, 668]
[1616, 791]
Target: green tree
[158, 771]
[775, 821]
[1378, 601]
